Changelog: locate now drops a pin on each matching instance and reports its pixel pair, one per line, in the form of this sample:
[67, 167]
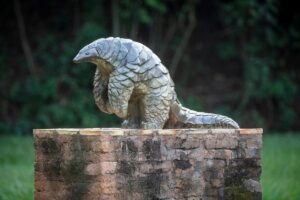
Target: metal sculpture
[131, 82]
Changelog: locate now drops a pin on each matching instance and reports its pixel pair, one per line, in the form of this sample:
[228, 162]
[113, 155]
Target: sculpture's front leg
[101, 92]
[120, 89]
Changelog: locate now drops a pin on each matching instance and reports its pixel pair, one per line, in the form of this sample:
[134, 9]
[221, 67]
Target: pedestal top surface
[120, 131]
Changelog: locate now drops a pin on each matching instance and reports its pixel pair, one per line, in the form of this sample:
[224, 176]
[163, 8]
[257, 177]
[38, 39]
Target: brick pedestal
[147, 164]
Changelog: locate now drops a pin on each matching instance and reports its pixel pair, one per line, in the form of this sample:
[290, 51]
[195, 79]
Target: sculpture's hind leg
[156, 111]
[134, 115]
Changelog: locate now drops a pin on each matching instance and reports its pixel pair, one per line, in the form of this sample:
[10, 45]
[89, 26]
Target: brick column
[147, 164]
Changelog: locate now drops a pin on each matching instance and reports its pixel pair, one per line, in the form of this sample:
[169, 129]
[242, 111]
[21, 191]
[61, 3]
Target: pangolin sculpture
[131, 82]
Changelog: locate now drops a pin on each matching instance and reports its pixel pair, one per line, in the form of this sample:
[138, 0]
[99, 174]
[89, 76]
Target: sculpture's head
[86, 54]
[94, 53]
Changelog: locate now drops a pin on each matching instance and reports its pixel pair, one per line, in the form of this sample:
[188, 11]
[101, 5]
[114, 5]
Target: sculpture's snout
[77, 58]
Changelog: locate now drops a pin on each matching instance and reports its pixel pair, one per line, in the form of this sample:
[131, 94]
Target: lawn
[16, 168]
[281, 167]
[280, 178]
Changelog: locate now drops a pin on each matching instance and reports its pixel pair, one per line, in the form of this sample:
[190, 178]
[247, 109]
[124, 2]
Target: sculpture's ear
[102, 47]
[99, 51]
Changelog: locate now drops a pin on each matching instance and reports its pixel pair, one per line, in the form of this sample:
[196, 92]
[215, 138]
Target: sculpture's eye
[87, 53]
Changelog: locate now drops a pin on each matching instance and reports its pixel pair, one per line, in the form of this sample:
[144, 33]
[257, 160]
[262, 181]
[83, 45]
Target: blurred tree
[23, 38]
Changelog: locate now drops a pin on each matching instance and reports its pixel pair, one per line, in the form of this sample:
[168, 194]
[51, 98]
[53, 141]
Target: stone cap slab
[125, 132]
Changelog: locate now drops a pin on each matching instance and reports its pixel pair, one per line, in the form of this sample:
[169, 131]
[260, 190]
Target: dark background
[238, 58]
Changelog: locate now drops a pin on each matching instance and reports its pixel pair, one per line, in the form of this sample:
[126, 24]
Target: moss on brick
[50, 146]
[238, 192]
[182, 164]
[126, 168]
[128, 147]
[151, 149]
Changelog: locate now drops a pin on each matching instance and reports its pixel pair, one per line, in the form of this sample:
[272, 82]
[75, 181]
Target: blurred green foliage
[61, 94]
[256, 42]
[265, 47]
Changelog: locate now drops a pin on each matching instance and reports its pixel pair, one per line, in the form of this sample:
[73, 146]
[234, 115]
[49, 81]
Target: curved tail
[193, 119]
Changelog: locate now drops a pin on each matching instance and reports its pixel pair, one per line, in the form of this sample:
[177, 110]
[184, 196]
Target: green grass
[16, 168]
[281, 167]
[280, 177]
